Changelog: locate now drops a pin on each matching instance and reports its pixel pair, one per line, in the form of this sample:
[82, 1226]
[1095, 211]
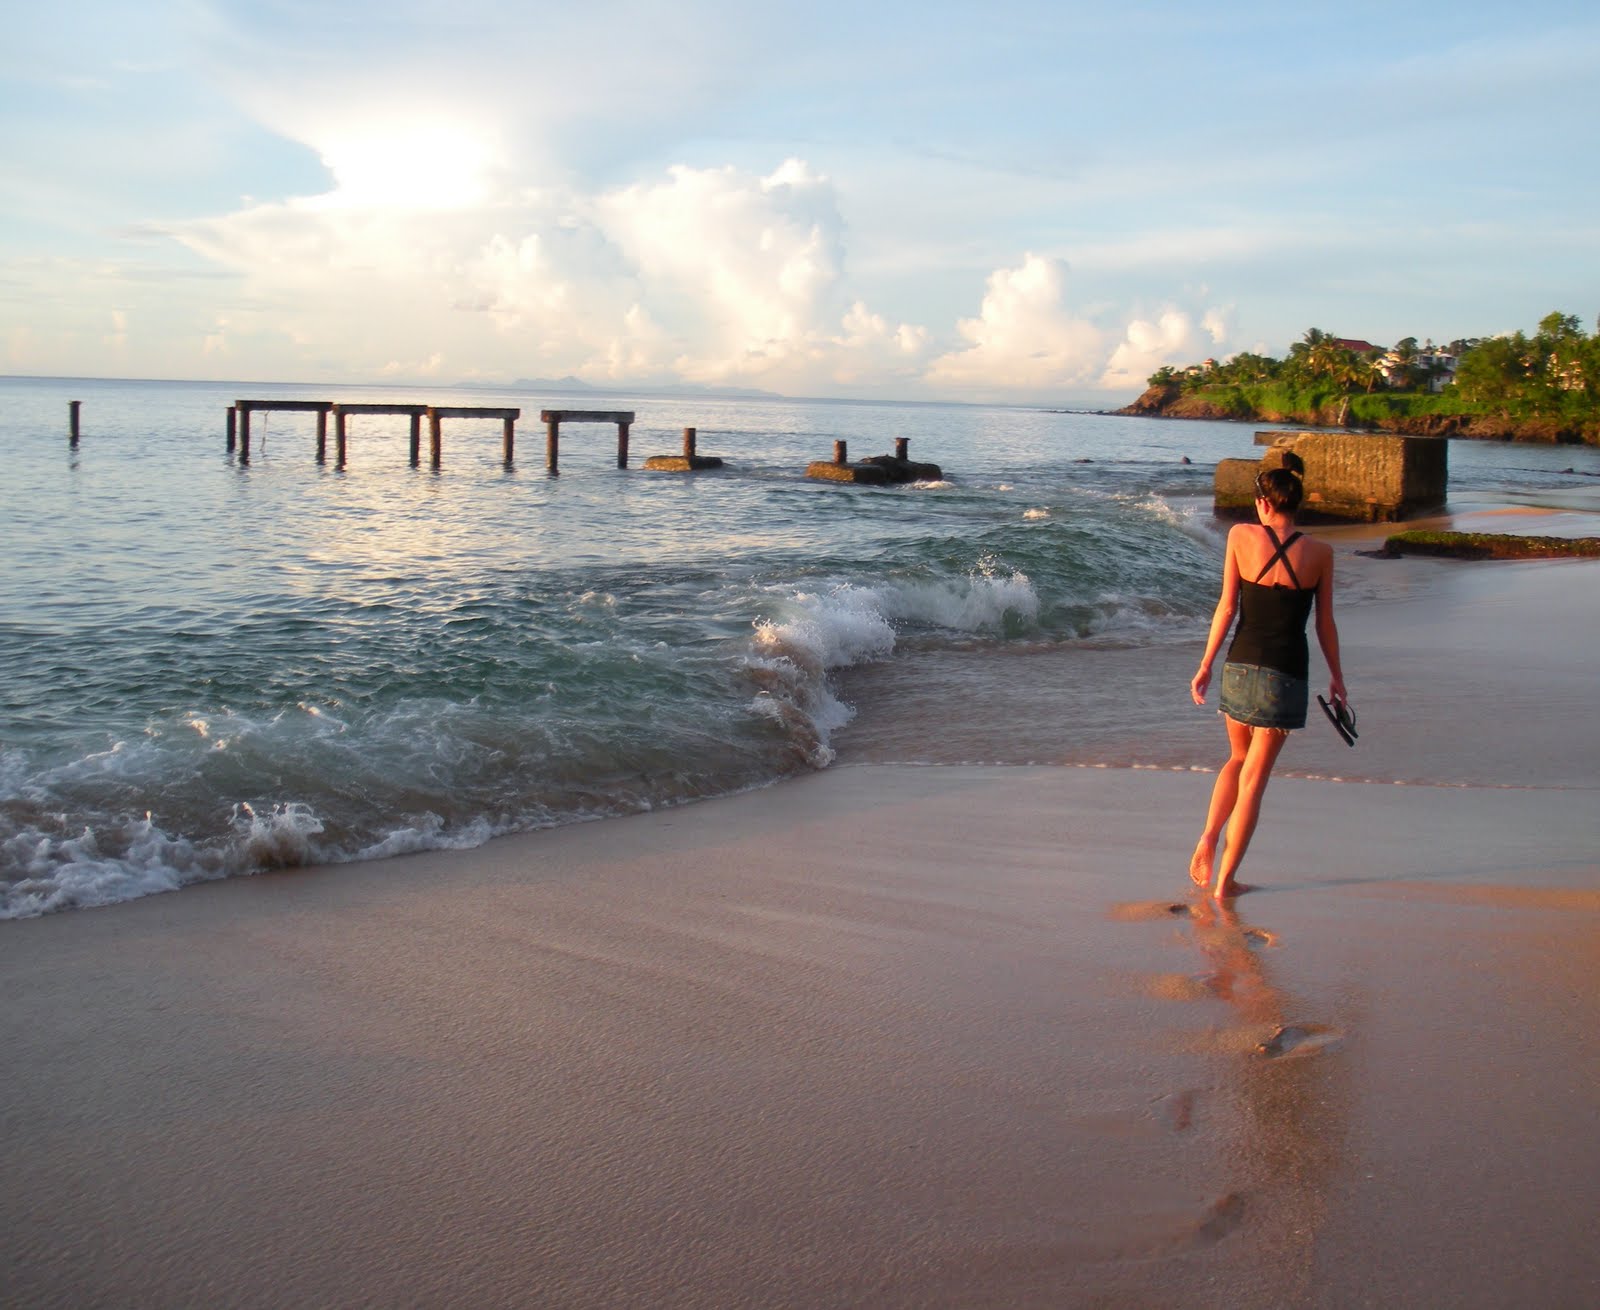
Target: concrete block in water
[683, 463]
[901, 469]
[867, 474]
[877, 471]
[1350, 477]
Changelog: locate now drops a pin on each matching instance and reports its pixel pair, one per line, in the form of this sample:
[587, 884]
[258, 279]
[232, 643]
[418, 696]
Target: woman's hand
[1199, 683]
[1336, 689]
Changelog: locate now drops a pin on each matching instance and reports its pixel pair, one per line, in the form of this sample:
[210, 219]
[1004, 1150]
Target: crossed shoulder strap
[1281, 553]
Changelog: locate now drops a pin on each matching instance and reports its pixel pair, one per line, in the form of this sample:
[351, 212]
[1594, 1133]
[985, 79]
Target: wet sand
[882, 1036]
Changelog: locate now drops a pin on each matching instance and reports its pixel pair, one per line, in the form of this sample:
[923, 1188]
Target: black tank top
[1272, 620]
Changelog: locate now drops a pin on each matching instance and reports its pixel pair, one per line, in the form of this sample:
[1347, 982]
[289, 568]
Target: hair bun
[1281, 487]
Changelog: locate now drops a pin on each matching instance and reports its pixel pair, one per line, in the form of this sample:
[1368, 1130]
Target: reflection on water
[1287, 1087]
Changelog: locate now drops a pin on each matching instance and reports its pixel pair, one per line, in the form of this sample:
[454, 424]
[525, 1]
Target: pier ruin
[875, 470]
[1350, 477]
[240, 411]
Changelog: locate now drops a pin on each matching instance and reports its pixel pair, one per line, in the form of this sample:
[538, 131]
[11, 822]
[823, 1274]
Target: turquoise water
[216, 668]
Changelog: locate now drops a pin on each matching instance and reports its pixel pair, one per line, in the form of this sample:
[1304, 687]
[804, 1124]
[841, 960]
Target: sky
[1031, 203]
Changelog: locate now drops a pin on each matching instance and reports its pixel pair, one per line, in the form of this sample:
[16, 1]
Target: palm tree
[1404, 353]
[1372, 367]
[1305, 356]
[1325, 356]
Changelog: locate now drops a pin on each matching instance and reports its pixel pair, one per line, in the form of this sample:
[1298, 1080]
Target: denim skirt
[1262, 697]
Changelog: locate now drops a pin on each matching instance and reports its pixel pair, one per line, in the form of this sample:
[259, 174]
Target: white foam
[59, 873]
[140, 858]
[976, 603]
[828, 631]
[790, 657]
[279, 839]
[1161, 510]
[428, 834]
[813, 633]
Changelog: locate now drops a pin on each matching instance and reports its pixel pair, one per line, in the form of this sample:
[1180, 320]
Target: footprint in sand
[1221, 1217]
[1138, 911]
[1176, 1109]
[1154, 1236]
[1179, 987]
[1297, 1039]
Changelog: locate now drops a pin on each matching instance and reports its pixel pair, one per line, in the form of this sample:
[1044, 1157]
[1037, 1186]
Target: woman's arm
[1221, 620]
[1328, 631]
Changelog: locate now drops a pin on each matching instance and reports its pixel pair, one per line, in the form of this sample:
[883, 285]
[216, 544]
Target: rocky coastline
[1172, 402]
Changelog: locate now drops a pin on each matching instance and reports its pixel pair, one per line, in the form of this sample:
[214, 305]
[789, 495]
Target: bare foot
[1230, 889]
[1200, 865]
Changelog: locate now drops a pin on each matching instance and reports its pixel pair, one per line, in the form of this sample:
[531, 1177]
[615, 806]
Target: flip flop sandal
[1343, 718]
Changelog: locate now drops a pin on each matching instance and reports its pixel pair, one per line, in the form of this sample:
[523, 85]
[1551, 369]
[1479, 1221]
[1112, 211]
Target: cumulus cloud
[418, 157]
[707, 275]
[1173, 337]
[714, 276]
[747, 273]
[869, 349]
[744, 265]
[1025, 337]
[355, 287]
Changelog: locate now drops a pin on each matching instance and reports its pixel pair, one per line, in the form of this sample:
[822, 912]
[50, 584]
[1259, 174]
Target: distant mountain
[568, 383]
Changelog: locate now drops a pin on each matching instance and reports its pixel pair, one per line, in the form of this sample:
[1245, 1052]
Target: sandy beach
[886, 1035]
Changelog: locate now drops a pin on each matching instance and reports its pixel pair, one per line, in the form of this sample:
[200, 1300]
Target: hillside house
[1426, 368]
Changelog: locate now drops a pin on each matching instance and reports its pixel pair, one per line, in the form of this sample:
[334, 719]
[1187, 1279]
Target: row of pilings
[876, 470]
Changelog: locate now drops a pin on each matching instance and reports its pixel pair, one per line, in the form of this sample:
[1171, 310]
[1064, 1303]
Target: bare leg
[1224, 795]
[1260, 755]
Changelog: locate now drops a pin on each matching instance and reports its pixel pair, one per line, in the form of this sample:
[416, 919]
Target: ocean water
[213, 668]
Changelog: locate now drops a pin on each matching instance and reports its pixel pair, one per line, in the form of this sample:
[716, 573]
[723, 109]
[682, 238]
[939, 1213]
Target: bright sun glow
[409, 163]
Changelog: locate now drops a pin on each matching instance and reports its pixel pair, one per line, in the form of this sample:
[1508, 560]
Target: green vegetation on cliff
[1541, 388]
[1490, 545]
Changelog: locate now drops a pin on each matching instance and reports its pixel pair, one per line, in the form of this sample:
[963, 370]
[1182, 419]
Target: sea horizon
[677, 392]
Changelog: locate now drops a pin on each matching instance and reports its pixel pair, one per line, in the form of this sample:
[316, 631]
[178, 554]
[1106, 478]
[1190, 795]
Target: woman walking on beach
[1272, 576]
